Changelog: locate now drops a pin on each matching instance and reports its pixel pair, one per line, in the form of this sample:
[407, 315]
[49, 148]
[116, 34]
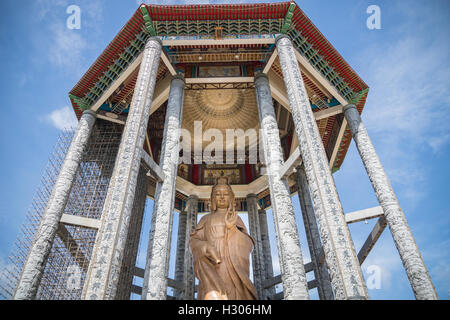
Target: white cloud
[63, 118]
[66, 49]
[93, 10]
[436, 254]
[409, 82]
[385, 256]
[44, 7]
[63, 47]
[437, 142]
[406, 112]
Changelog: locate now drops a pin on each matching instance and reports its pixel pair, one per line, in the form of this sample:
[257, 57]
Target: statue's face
[222, 196]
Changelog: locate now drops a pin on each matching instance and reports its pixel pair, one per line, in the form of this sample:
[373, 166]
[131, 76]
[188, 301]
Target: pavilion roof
[237, 20]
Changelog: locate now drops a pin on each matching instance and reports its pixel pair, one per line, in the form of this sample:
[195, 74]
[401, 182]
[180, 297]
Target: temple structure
[262, 67]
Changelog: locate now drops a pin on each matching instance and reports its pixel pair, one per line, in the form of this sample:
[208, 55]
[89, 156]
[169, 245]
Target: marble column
[257, 254]
[102, 278]
[181, 246]
[346, 275]
[267, 253]
[34, 266]
[293, 272]
[313, 236]
[191, 223]
[157, 264]
[127, 270]
[404, 241]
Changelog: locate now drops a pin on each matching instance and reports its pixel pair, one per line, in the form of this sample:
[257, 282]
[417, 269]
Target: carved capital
[154, 42]
[281, 37]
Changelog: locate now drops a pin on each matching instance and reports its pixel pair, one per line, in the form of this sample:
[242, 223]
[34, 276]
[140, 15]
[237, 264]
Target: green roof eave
[148, 20]
[288, 18]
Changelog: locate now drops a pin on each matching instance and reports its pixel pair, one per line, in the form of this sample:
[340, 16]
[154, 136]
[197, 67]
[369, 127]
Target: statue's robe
[230, 278]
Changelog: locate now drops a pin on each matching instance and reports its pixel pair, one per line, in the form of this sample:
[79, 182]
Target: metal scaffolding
[69, 258]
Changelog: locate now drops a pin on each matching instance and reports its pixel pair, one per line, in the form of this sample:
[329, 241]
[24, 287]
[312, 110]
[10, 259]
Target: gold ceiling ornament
[219, 103]
[220, 109]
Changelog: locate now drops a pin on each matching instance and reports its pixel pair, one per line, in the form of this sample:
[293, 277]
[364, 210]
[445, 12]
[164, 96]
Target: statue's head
[222, 196]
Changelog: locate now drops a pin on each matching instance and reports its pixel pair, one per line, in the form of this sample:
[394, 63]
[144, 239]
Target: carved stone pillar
[103, 276]
[257, 254]
[346, 274]
[267, 253]
[157, 265]
[34, 266]
[291, 261]
[127, 270]
[313, 236]
[191, 223]
[404, 241]
[181, 246]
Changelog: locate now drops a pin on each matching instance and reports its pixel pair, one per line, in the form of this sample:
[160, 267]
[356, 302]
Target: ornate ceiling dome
[220, 109]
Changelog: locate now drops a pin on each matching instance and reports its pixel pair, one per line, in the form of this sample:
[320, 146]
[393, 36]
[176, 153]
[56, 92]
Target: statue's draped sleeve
[240, 245]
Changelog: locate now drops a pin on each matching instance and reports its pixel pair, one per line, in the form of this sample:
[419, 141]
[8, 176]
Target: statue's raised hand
[231, 218]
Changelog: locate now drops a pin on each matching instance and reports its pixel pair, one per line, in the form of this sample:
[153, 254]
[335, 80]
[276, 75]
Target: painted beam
[80, 221]
[291, 163]
[318, 78]
[376, 232]
[309, 267]
[72, 247]
[219, 80]
[214, 42]
[278, 89]
[277, 280]
[338, 142]
[161, 93]
[270, 61]
[371, 239]
[361, 215]
[175, 284]
[325, 113]
[139, 272]
[136, 289]
[155, 170]
[240, 190]
[204, 192]
[294, 143]
[168, 64]
[149, 147]
[123, 76]
[100, 116]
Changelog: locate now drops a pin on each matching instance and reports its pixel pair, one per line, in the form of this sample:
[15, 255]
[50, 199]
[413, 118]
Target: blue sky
[405, 64]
